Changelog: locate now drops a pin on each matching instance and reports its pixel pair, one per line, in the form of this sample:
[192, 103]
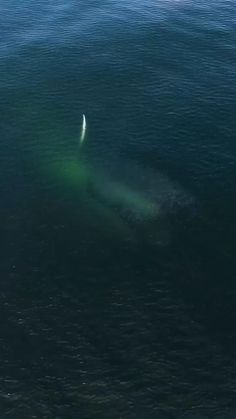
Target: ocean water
[118, 258]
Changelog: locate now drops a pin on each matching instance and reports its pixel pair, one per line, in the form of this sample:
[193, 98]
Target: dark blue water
[118, 287]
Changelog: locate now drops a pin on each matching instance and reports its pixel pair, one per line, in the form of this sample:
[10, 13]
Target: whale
[127, 200]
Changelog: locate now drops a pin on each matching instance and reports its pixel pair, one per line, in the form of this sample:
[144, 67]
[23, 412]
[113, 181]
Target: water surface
[102, 323]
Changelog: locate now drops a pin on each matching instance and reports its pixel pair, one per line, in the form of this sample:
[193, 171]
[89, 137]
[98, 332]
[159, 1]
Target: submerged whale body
[123, 199]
